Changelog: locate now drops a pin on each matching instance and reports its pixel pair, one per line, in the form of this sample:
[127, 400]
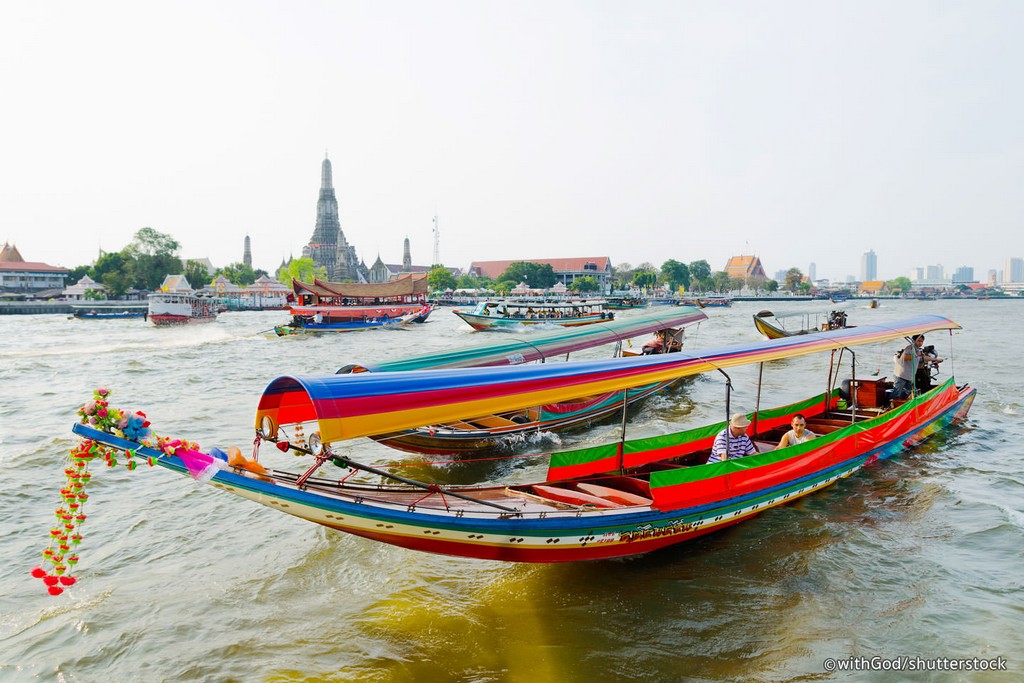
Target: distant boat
[625, 303]
[180, 308]
[873, 304]
[109, 311]
[178, 304]
[778, 326]
[503, 314]
[713, 301]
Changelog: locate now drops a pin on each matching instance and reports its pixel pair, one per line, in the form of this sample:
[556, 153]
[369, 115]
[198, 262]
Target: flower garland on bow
[61, 554]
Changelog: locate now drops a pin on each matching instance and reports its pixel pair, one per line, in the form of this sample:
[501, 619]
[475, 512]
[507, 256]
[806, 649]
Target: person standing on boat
[798, 434]
[733, 442]
[905, 367]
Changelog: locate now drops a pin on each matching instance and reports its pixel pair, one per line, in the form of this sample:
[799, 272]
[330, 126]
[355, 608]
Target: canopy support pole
[622, 433]
[728, 393]
[757, 400]
[853, 386]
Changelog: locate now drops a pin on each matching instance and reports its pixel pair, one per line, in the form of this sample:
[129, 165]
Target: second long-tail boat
[778, 326]
[620, 499]
[503, 315]
[505, 429]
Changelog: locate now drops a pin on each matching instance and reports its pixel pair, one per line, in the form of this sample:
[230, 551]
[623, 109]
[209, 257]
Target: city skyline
[648, 132]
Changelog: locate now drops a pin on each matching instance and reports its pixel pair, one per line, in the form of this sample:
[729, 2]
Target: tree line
[695, 276]
[144, 263]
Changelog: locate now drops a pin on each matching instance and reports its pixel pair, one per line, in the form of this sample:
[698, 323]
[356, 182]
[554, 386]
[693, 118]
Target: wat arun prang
[328, 246]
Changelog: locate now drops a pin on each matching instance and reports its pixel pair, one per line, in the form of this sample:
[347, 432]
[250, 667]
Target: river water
[919, 556]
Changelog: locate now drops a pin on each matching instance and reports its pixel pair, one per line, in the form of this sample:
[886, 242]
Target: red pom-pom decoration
[38, 572]
[55, 590]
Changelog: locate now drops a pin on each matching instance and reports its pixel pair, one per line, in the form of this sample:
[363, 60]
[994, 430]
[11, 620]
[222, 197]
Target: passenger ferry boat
[178, 304]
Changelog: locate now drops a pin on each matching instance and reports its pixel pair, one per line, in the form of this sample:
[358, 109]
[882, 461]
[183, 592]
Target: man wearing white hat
[733, 442]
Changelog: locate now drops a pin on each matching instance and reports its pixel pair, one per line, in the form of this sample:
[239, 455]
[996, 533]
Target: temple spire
[326, 180]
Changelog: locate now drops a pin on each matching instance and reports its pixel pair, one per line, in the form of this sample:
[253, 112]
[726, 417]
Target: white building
[76, 292]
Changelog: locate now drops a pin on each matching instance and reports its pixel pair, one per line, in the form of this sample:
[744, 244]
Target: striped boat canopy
[523, 348]
[366, 404]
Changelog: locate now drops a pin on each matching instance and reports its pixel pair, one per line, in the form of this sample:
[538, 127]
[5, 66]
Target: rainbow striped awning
[366, 404]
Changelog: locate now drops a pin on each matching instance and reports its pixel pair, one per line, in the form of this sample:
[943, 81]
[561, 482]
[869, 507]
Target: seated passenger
[733, 442]
[798, 434]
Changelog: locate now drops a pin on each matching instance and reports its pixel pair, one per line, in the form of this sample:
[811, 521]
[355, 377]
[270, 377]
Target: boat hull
[686, 503]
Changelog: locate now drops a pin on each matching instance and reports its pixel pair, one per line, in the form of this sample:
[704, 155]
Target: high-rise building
[1014, 270]
[935, 273]
[812, 272]
[328, 246]
[868, 266]
[247, 253]
[963, 274]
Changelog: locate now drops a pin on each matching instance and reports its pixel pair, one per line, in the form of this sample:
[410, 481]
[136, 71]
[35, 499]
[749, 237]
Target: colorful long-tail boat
[778, 326]
[350, 306]
[620, 499]
[500, 315]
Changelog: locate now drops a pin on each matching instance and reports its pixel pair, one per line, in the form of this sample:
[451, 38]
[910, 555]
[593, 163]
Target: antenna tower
[437, 243]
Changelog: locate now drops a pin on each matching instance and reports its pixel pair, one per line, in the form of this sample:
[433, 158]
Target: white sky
[642, 131]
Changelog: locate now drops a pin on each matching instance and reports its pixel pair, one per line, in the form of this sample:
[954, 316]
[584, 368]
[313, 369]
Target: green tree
[112, 271]
[771, 286]
[721, 281]
[197, 274]
[238, 274]
[700, 270]
[301, 269]
[535, 275]
[467, 281]
[644, 279]
[676, 274]
[503, 287]
[793, 279]
[150, 257]
[804, 287]
[440, 278]
[150, 242]
[585, 284]
[77, 273]
[899, 285]
[622, 276]
[116, 283]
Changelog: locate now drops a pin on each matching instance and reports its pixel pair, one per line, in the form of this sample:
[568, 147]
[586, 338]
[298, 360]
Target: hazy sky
[642, 131]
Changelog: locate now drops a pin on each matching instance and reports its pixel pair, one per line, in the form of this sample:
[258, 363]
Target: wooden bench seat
[571, 497]
[614, 495]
